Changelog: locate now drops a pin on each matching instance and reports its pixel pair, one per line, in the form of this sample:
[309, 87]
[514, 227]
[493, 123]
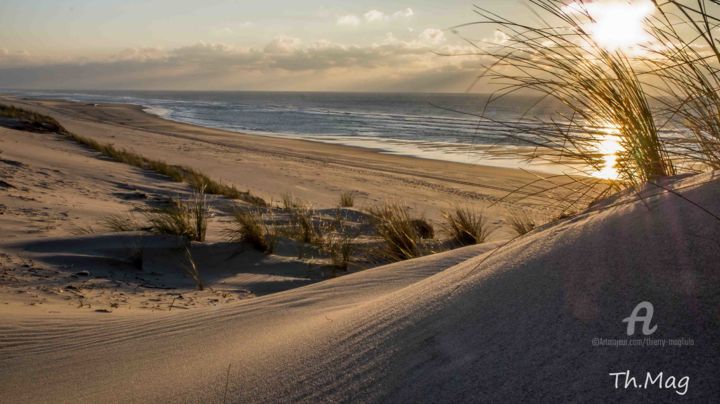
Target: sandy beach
[359, 202]
[57, 194]
[270, 166]
[508, 319]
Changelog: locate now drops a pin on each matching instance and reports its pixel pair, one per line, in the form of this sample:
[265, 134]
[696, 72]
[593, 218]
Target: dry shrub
[347, 199]
[521, 222]
[251, 228]
[185, 218]
[466, 226]
[395, 226]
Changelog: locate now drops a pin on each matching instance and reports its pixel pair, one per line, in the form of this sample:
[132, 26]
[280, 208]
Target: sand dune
[514, 324]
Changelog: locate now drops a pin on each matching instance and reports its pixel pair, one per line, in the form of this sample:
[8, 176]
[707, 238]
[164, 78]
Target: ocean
[436, 126]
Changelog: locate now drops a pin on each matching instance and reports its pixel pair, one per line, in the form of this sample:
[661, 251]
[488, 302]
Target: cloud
[285, 63]
[432, 36]
[349, 20]
[14, 58]
[407, 13]
[282, 45]
[374, 16]
[228, 31]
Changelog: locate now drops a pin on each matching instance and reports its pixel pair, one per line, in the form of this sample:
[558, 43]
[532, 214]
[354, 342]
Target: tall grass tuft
[199, 208]
[687, 66]
[600, 89]
[250, 227]
[192, 270]
[32, 121]
[290, 202]
[423, 228]
[347, 199]
[121, 223]
[304, 228]
[184, 218]
[395, 226]
[174, 220]
[338, 242]
[520, 222]
[176, 173]
[466, 226]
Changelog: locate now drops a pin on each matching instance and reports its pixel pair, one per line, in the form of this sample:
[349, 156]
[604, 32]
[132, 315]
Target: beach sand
[58, 194]
[313, 171]
[502, 321]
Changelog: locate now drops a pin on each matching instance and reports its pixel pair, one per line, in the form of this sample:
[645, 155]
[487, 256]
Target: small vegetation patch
[251, 227]
[395, 226]
[466, 226]
[347, 199]
[521, 222]
[176, 173]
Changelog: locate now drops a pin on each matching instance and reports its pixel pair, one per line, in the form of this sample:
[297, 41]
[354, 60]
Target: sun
[615, 25]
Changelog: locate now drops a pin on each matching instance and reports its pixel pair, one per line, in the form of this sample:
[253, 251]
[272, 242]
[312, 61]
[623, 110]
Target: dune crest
[528, 313]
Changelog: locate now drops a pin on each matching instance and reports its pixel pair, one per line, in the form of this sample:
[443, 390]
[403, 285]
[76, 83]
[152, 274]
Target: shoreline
[464, 153]
[270, 166]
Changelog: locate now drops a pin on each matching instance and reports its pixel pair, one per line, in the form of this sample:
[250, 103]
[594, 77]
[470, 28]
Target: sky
[310, 45]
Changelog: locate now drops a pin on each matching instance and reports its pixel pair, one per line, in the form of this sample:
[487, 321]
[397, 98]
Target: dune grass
[176, 173]
[251, 227]
[466, 226]
[185, 218]
[347, 199]
[520, 222]
[304, 227]
[600, 89]
[191, 268]
[289, 202]
[33, 121]
[688, 68]
[669, 81]
[394, 225]
[338, 242]
[121, 223]
[424, 229]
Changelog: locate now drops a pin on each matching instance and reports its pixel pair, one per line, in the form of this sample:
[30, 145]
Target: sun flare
[616, 25]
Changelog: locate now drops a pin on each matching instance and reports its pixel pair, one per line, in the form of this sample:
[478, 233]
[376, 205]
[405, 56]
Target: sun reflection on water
[609, 147]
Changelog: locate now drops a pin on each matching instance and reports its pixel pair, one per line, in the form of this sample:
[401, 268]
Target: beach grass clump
[176, 173]
[200, 211]
[289, 202]
[250, 227]
[191, 269]
[466, 226]
[424, 229]
[121, 223]
[599, 89]
[31, 121]
[304, 228]
[687, 66]
[347, 199]
[394, 225]
[340, 246]
[339, 241]
[520, 222]
[175, 220]
[184, 218]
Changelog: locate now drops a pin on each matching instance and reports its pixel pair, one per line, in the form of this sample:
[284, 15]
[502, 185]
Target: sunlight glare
[609, 147]
[617, 25]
